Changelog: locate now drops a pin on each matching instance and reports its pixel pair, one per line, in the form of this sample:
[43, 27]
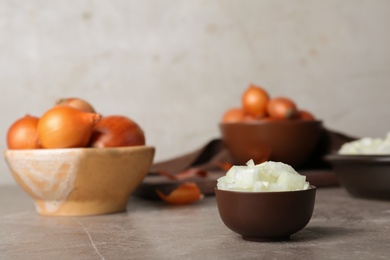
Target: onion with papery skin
[117, 131]
[236, 115]
[66, 127]
[23, 133]
[305, 115]
[233, 115]
[254, 101]
[282, 108]
[78, 103]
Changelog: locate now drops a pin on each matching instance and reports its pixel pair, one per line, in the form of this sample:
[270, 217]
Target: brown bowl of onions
[288, 141]
[75, 162]
[269, 128]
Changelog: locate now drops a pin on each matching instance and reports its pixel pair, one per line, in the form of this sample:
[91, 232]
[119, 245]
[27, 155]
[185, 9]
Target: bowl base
[79, 208]
[266, 239]
[370, 195]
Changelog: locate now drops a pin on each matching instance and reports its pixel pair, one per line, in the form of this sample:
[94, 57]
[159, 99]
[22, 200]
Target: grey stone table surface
[342, 227]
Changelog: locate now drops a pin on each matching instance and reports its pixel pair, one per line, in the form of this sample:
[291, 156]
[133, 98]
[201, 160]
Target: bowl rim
[311, 187]
[276, 121]
[78, 149]
[358, 157]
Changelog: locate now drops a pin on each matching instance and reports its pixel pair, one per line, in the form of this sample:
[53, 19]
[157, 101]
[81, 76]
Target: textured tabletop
[342, 227]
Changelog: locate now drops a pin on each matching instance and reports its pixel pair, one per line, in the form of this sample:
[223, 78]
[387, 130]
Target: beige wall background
[175, 66]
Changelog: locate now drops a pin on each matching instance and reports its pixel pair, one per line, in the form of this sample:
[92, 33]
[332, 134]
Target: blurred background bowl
[266, 216]
[363, 176]
[287, 141]
[80, 181]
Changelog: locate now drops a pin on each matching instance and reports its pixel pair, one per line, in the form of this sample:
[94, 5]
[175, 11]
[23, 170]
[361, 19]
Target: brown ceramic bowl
[80, 181]
[363, 176]
[266, 216]
[287, 141]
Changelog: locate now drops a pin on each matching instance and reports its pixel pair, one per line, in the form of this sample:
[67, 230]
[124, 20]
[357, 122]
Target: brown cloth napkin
[209, 158]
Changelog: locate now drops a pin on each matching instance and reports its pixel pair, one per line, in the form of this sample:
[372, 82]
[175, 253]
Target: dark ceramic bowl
[363, 176]
[287, 141]
[266, 216]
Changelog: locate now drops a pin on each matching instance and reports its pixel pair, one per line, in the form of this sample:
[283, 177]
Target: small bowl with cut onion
[362, 167]
[80, 181]
[265, 202]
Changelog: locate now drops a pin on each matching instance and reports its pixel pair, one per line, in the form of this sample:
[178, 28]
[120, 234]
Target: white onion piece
[367, 145]
[267, 176]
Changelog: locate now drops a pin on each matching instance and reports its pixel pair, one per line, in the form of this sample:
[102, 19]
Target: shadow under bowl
[266, 216]
[80, 181]
[288, 141]
[363, 176]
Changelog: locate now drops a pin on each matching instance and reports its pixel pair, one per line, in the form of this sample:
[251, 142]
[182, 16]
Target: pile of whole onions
[72, 123]
[257, 105]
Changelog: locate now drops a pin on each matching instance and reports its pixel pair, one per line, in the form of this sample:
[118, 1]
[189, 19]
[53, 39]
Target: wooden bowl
[80, 181]
[266, 216]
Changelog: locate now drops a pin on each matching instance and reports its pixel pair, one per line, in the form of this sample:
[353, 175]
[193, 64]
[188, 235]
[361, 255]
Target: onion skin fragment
[185, 193]
[184, 175]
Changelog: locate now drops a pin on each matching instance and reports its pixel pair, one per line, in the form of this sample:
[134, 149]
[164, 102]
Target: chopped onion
[367, 145]
[267, 176]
